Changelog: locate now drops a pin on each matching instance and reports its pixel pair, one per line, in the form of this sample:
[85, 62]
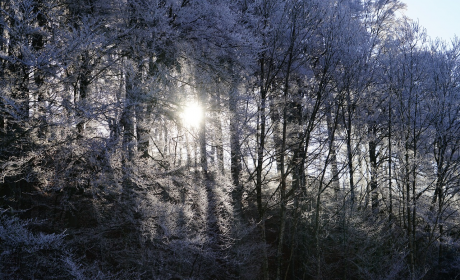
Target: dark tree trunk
[235, 150]
[373, 163]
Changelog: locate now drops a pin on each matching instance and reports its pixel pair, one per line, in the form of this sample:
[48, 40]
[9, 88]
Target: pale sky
[441, 18]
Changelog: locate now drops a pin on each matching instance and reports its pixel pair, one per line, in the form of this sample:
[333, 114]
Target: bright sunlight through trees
[192, 115]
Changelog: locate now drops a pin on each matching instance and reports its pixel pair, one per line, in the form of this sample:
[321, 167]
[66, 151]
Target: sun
[192, 115]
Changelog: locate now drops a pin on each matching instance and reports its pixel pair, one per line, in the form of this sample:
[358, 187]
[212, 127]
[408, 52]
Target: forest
[227, 139]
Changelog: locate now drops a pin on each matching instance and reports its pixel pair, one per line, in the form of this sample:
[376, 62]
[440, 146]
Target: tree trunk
[283, 175]
[83, 91]
[38, 43]
[128, 118]
[219, 141]
[235, 150]
[334, 166]
[390, 187]
[260, 160]
[373, 163]
[276, 124]
[409, 211]
[299, 154]
[143, 128]
[203, 145]
[348, 129]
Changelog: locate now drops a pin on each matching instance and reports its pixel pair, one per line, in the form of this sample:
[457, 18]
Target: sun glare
[192, 115]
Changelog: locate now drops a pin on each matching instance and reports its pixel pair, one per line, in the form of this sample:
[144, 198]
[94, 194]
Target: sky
[441, 18]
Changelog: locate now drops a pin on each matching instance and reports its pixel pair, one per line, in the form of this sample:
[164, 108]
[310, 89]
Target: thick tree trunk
[235, 150]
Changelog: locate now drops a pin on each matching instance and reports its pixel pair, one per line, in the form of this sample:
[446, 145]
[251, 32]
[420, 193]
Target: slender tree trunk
[83, 91]
[203, 142]
[334, 166]
[3, 64]
[188, 151]
[165, 138]
[409, 211]
[219, 143]
[277, 130]
[38, 43]
[143, 129]
[2, 119]
[321, 188]
[129, 144]
[390, 156]
[373, 163]
[317, 237]
[439, 192]
[213, 231]
[414, 179]
[259, 168]
[203, 153]
[128, 118]
[348, 130]
[299, 155]
[196, 153]
[282, 169]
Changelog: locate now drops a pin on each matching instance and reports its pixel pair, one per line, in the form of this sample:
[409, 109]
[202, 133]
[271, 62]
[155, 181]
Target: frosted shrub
[28, 255]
